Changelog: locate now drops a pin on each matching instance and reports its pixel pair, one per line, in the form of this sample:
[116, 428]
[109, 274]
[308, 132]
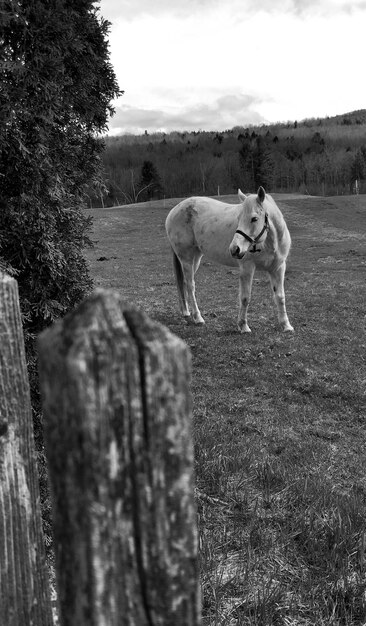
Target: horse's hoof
[189, 319]
[244, 329]
[288, 329]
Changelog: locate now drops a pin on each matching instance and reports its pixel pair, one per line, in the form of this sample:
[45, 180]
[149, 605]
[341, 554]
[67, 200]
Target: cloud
[128, 10]
[220, 114]
[330, 7]
[193, 71]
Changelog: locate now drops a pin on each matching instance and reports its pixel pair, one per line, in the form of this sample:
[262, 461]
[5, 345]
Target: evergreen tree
[317, 144]
[358, 167]
[150, 183]
[257, 164]
[246, 160]
[56, 85]
[263, 165]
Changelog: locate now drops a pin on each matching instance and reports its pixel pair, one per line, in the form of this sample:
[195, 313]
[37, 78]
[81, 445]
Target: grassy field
[279, 419]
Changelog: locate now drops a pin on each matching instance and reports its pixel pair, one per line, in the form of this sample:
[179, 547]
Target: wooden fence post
[24, 585]
[117, 415]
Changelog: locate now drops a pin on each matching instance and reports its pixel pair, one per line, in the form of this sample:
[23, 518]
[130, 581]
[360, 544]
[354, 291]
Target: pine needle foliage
[56, 88]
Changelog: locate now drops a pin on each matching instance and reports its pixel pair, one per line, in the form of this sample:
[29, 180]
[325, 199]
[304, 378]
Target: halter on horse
[257, 238]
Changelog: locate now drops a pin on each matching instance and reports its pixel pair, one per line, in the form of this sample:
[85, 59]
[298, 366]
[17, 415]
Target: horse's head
[252, 225]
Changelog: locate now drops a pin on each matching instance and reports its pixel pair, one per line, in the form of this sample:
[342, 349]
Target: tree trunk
[24, 585]
[118, 435]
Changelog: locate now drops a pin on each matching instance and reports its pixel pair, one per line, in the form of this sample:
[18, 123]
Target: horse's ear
[261, 194]
[241, 195]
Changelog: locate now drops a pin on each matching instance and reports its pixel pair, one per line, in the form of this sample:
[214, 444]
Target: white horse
[250, 235]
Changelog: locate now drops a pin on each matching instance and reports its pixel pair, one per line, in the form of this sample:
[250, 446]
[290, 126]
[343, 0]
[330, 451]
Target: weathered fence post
[24, 586]
[118, 436]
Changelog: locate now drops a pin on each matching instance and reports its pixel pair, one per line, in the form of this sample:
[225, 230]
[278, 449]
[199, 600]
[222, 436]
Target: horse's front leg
[189, 269]
[277, 278]
[246, 273]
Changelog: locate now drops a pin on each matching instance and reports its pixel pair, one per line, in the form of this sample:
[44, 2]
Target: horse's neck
[272, 237]
[276, 227]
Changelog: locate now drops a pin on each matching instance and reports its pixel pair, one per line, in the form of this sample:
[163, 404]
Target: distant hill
[316, 156]
[348, 119]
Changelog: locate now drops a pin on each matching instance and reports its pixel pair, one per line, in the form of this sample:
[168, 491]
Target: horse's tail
[179, 279]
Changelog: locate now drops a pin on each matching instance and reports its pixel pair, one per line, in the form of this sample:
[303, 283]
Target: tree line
[316, 156]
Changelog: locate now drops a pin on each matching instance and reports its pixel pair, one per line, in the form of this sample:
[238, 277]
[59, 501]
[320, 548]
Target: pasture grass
[279, 418]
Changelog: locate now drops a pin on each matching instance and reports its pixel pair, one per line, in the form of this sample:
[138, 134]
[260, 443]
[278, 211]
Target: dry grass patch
[278, 418]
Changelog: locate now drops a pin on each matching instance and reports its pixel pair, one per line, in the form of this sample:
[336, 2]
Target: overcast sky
[209, 65]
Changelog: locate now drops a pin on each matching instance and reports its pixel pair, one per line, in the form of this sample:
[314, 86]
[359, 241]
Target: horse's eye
[254, 219]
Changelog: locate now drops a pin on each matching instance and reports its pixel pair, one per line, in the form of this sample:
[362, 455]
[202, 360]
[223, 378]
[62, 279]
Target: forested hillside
[315, 156]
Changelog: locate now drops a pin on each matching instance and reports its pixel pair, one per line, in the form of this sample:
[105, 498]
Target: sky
[210, 65]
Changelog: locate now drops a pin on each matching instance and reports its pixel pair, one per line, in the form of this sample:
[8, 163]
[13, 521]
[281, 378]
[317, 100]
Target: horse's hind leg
[277, 283]
[189, 269]
[181, 286]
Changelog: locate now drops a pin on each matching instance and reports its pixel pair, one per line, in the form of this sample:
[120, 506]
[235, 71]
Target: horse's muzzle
[235, 252]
